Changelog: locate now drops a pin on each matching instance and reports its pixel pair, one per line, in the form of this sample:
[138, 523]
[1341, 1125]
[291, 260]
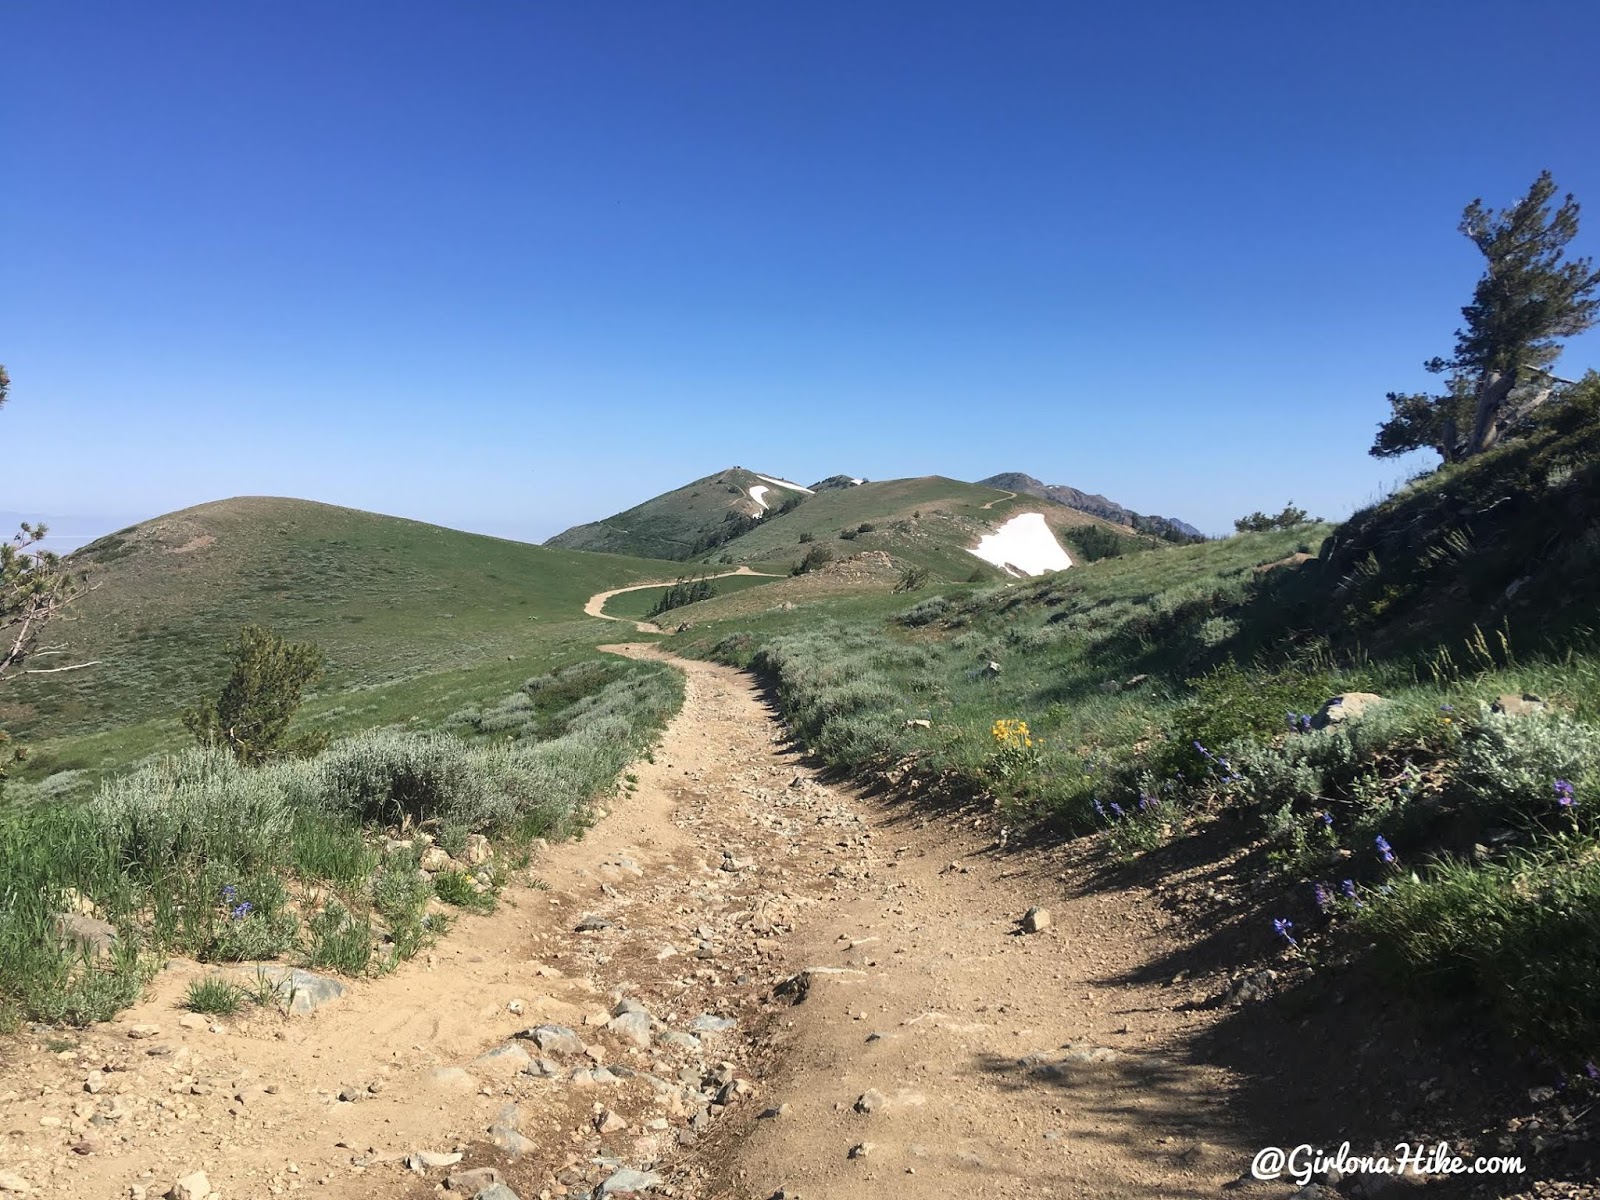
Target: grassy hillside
[636, 606]
[386, 599]
[929, 521]
[1441, 838]
[680, 524]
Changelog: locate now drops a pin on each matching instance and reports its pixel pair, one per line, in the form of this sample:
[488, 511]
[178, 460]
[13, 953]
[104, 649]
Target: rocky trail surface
[743, 982]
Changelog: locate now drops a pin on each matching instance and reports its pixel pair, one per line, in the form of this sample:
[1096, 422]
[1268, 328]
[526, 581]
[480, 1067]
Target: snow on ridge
[1024, 545]
[783, 483]
[756, 493]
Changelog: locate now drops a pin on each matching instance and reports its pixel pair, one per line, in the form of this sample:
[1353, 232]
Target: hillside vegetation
[1442, 818]
[684, 523]
[384, 598]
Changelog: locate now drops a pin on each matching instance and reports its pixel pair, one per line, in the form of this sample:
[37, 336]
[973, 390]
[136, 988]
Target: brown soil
[897, 1032]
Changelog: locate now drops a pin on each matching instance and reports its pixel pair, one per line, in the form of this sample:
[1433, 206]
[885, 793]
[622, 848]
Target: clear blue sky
[512, 265]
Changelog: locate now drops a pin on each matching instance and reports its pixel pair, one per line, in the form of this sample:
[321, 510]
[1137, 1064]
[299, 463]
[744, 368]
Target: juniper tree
[1530, 297]
[265, 687]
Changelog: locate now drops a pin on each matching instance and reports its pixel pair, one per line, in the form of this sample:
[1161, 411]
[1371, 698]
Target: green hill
[930, 521]
[385, 598]
[683, 523]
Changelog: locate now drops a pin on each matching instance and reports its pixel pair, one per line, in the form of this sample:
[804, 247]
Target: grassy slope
[1124, 668]
[669, 525]
[414, 620]
[929, 521]
[635, 606]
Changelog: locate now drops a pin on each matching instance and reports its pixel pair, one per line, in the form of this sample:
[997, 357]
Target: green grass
[198, 855]
[1157, 691]
[675, 524]
[389, 601]
[928, 522]
[214, 996]
[636, 606]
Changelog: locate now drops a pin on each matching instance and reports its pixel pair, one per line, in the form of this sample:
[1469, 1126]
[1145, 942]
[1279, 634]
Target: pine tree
[1528, 300]
[264, 691]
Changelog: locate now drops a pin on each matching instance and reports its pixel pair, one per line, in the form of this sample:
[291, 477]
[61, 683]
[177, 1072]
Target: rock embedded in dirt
[496, 1191]
[1036, 920]
[507, 1054]
[301, 991]
[429, 1160]
[592, 923]
[633, 1026]
[194, 1186]
[140, 1032]
[609, 1120]
[628, 1182]
[452, 1077]
[554, 1039]
[861, 1150]
[709, 1023]
[472, 1181]
[13, 1184]
[869, 1101]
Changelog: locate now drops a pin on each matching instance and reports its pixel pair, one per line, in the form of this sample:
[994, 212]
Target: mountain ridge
[1170, 528]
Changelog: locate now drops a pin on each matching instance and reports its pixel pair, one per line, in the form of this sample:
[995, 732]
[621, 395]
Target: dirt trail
[595, 605]
[1009, 496]
[992, 1062]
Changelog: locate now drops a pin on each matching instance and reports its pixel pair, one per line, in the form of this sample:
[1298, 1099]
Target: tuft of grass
[214, 996]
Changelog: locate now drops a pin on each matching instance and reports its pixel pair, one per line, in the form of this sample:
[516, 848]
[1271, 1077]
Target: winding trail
[840, 1006]
[595, 605]
[1009, 496]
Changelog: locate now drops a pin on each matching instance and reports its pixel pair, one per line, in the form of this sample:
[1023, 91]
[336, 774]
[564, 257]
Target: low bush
[203, 855]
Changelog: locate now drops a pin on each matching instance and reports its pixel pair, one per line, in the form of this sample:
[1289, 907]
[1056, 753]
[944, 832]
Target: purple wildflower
[1285, 928]
[1347, 889]
[1566, 796]
[1385, 851]
[1117, 808]
[229, 893]
[1323, 899]
[1099, 808]
[1326, 818]
[1592, 1071]
[243, 910]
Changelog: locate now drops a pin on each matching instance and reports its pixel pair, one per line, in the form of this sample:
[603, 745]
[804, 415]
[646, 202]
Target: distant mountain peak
[1170, 528]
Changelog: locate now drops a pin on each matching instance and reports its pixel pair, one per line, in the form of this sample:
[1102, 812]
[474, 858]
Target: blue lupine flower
[1117, 808]
[230, 893]
[1566, 796]
[1326, 818]
[1323, 899]
[243, 910]
[1592, 1071]
[1385, 851]
[1347, 889]
[1284, 926]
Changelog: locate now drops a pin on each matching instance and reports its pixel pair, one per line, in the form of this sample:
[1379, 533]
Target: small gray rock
[301, 991]
[634, 1026]
[508, 1054]
[496, 1191]
[627, 1182]
[708, 1023]
[592, 923]
[554, 1039]
[1036, 920]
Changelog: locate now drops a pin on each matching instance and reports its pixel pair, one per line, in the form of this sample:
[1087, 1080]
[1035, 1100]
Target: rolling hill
[384, 598]
[930, 521]
[686, 522]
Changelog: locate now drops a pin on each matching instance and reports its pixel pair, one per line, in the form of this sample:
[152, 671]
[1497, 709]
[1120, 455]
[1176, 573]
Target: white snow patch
[1024, 545]
[784, 483]
[757, 492]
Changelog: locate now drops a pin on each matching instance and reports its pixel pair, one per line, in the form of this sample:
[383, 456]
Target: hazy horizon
[513, 268]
